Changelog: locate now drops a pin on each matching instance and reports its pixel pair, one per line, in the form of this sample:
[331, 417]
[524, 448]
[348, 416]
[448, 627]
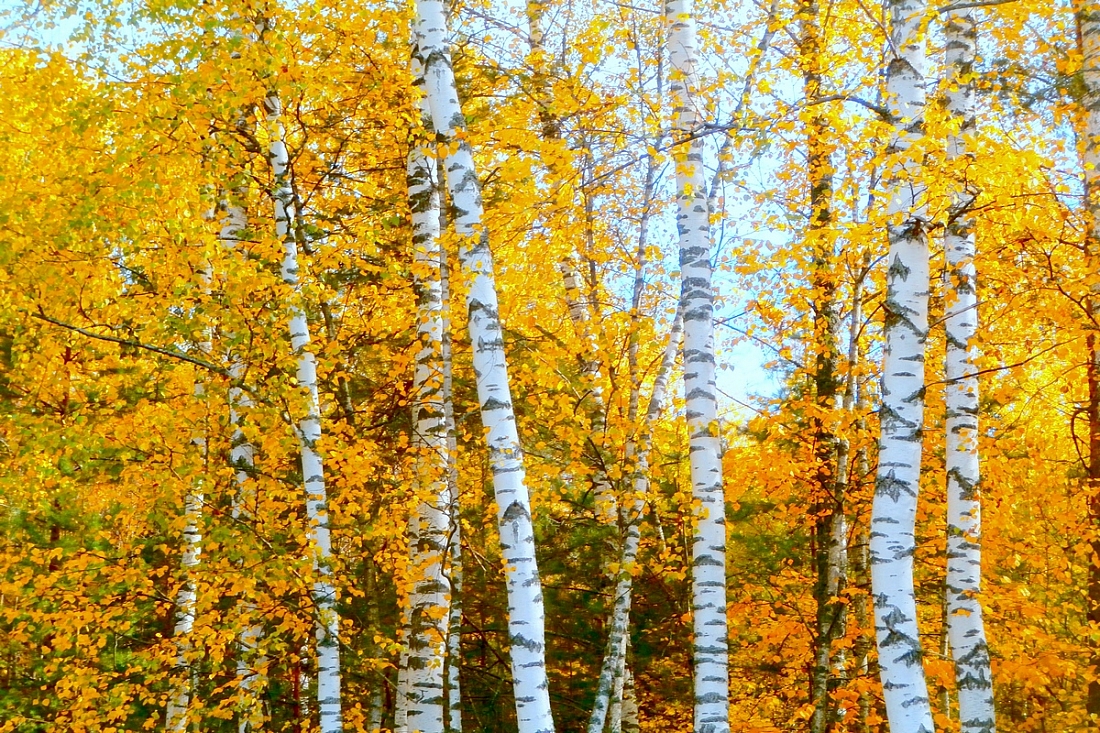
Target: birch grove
[876, 442]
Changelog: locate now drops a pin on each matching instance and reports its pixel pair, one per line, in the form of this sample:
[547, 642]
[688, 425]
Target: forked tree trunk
[894, 510]
[526, 622]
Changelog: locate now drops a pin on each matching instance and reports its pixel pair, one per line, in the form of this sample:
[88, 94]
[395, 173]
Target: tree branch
[973, 4]
[879, 110]
[135, 344]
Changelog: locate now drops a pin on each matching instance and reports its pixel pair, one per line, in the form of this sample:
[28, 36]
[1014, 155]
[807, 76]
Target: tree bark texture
[893, 512]
[965, 626]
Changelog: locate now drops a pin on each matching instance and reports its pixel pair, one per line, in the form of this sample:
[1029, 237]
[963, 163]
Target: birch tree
[893, 512]
[453, 679]
[242, 457]
[308, 431]
[526, 622]
[965, 626]
[708, 584]
[176, 719]
[430, 612]
[613, 672]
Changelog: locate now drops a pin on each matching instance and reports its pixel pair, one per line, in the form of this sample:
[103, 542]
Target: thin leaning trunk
[610, 685]
[613, 671]
[454, 541]
[308, 432]
[708, 583]
[429, 611]
[526, 622]
[894, 509]
[579, 306]
[965, 628]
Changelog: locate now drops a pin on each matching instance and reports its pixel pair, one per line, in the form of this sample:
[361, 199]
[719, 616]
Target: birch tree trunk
[429, 606]
[454, 541]
[176, 719]
[526, 623]
[250, 663]
[893, 512]
[965, 628]
[630, 722]
[308, 431]
[711, 638]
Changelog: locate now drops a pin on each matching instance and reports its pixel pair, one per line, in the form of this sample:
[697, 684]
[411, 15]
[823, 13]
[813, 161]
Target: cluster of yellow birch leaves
[114, 156]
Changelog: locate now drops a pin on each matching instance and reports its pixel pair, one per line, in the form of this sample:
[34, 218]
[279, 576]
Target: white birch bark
[308, 431]
[376, 702]
[630, 722]
[526, 623]
[708, 582]
[403, 691]
[250, 664]
[177, 719]
[430, 612]
[965, 627]
[179, 701]
[454, 546]
[893, 512]
[374, 711]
